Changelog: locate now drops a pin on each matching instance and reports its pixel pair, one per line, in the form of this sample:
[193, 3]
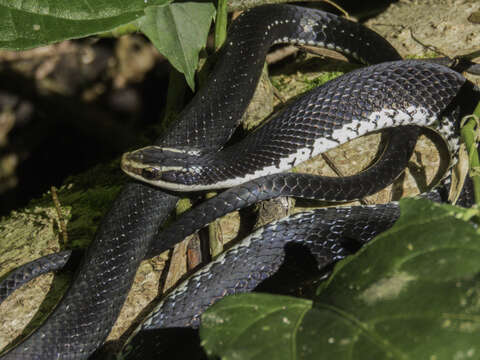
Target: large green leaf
[227, 330]
[29, 23]
[412, 293]
[179, 31]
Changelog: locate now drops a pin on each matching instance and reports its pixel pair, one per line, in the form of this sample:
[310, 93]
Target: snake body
[324, 232]
[84, 317]
[385, 95]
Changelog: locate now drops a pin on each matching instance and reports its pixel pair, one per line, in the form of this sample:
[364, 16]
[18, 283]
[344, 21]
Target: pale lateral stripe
[377, 120]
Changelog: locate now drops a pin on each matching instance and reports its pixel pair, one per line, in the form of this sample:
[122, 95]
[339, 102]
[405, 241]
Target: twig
[175, 97]
[221, 23]
[58, 208]
[427, 46]
[214, 238]
[278, 95]
[338, 7]
[470, 133]
[280, 54]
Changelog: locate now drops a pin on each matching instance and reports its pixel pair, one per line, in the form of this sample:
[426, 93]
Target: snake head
[168, 168]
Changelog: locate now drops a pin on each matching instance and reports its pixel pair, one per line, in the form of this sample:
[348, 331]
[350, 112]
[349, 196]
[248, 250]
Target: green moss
[307, 74]
[427, 55]
[85, 198]
[322, 79]
[88, 207]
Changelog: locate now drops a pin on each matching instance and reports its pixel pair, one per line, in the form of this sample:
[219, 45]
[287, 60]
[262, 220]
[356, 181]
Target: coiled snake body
[384, 95]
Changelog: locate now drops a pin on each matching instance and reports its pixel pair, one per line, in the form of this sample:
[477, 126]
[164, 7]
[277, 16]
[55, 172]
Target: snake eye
[150, 173]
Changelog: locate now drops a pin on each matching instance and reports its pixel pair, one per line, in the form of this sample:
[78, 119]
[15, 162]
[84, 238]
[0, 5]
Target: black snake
[404, 93]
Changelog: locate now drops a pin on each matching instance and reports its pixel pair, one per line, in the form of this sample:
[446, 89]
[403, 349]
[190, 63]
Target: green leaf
[274, 319]
[179, 31]
[30, 23]
[412, 293]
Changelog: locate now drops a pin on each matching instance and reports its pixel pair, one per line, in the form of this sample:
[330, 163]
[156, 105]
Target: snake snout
[128, 162]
